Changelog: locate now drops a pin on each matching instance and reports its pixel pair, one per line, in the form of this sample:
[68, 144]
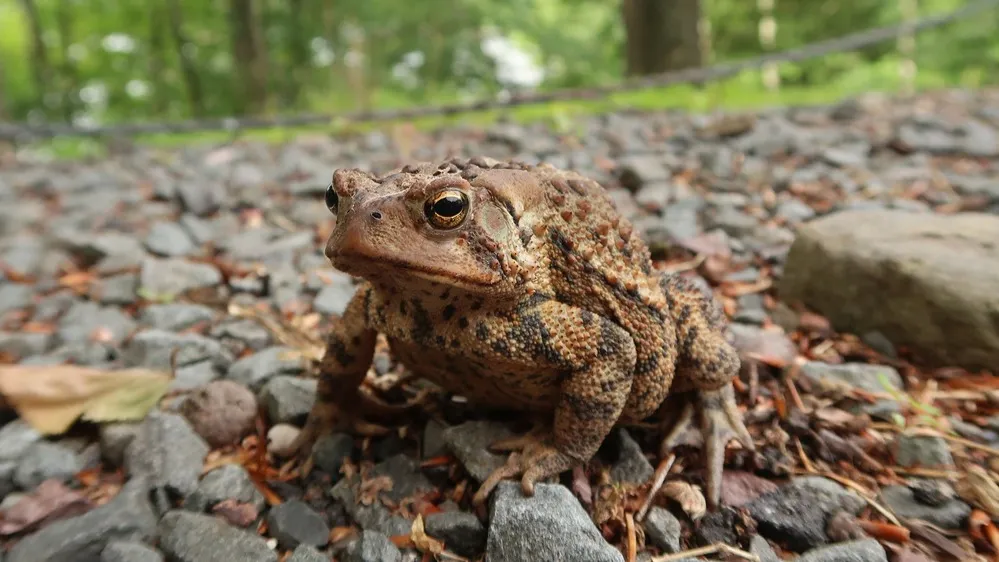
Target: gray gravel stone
[288, 399]
[128, 551]
[293, 523]
[330, 451]
[246, 332]
[469, 442]
[167, 453]
[172, 276]
[175, 316]
[866, 550]
[200, 199]
[153, 349]
[761, 548]
[194, 537]
[118, 289]
[43, 460]
[662, 529]
[128, 516]
[24, 344]
[194, 375]
[461, 532]
[407, 481]
[372, 546]
[951, 514]
[630, 465]
[85, 318]
[796, 514]
[230, 481]
[255, 370]
[169, 239]
[306, 553]
[332, 299]
[869, 377]
[549, 526]
[115, 439]
[13, 296]
[925, 451]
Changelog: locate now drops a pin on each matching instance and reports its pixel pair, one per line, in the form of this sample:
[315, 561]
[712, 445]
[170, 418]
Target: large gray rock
[193, 537]
[924, 281]
[128, 517]
[549, 526]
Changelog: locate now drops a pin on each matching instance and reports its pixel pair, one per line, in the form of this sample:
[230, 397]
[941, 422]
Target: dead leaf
[690, 498]
[371, 487]
[50, 500]
[978, 487]
[422, 541]
[239, 514]
[51, 397]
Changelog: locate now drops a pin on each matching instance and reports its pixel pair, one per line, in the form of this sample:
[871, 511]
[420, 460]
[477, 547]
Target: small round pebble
[221, 412]
[280, 438]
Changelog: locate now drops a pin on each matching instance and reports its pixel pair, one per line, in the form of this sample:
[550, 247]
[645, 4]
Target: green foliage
[120, 61]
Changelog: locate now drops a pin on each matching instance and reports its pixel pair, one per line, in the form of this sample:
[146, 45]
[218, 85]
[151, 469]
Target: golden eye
[446, 209]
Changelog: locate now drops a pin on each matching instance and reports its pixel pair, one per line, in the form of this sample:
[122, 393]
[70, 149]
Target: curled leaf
[422, 541]
[51, 397]
[49, 501]
[690, 498]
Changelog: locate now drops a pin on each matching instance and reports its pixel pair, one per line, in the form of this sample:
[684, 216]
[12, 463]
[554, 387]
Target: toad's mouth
[395, 269]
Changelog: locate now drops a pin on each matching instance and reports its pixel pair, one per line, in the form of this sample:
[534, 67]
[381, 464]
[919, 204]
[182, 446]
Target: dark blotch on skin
[448, 312]
[339, 350]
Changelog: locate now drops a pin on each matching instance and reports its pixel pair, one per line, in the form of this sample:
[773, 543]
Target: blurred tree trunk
[157, 66]
[40, 66]
[298, 53]
[249, 56]
[69, 79]
[662, 35]
[187, 64]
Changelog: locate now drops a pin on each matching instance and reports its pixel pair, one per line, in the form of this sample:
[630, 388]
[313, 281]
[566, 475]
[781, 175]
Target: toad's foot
[327, 418]
[533, 456]
[720, 421]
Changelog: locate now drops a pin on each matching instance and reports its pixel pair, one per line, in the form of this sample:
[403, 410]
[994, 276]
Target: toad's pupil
[448, 206]
[331, 198]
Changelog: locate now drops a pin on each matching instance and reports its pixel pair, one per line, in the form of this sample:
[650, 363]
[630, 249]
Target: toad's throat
[388, 267]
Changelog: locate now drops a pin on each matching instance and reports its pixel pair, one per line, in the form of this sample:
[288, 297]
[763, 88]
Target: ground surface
[874, 412]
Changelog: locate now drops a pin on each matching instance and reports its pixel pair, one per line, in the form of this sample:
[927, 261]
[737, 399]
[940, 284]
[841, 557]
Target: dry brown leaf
[979, 487]
[690, 498]
[834, 417]
[50, 500]
[422, 541]
[51, 397]
[371, 487]
[239, 514]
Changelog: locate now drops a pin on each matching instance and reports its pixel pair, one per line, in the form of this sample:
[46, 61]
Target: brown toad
[520, 287]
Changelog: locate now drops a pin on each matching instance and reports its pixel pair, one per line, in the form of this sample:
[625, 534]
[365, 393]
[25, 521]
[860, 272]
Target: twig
[657, 483]
[629, 521]
[710, 549]
[804, 458]
[686, 265]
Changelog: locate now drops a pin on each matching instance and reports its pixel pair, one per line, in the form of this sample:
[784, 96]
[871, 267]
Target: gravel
[833, 202]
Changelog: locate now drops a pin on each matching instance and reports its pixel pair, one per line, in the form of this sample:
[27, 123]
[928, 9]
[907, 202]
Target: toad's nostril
[377, 215]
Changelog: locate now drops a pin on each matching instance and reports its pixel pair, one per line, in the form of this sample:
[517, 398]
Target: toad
[521, 287]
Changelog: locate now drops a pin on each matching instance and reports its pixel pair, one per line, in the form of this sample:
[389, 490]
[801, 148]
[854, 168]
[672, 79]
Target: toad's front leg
[595, 362]
[339, 405]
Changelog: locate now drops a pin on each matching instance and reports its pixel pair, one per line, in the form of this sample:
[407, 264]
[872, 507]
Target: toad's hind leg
[706, 365]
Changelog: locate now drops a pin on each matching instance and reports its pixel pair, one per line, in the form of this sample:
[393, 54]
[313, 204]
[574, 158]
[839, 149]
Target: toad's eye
[332, 199]
[446, 209]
